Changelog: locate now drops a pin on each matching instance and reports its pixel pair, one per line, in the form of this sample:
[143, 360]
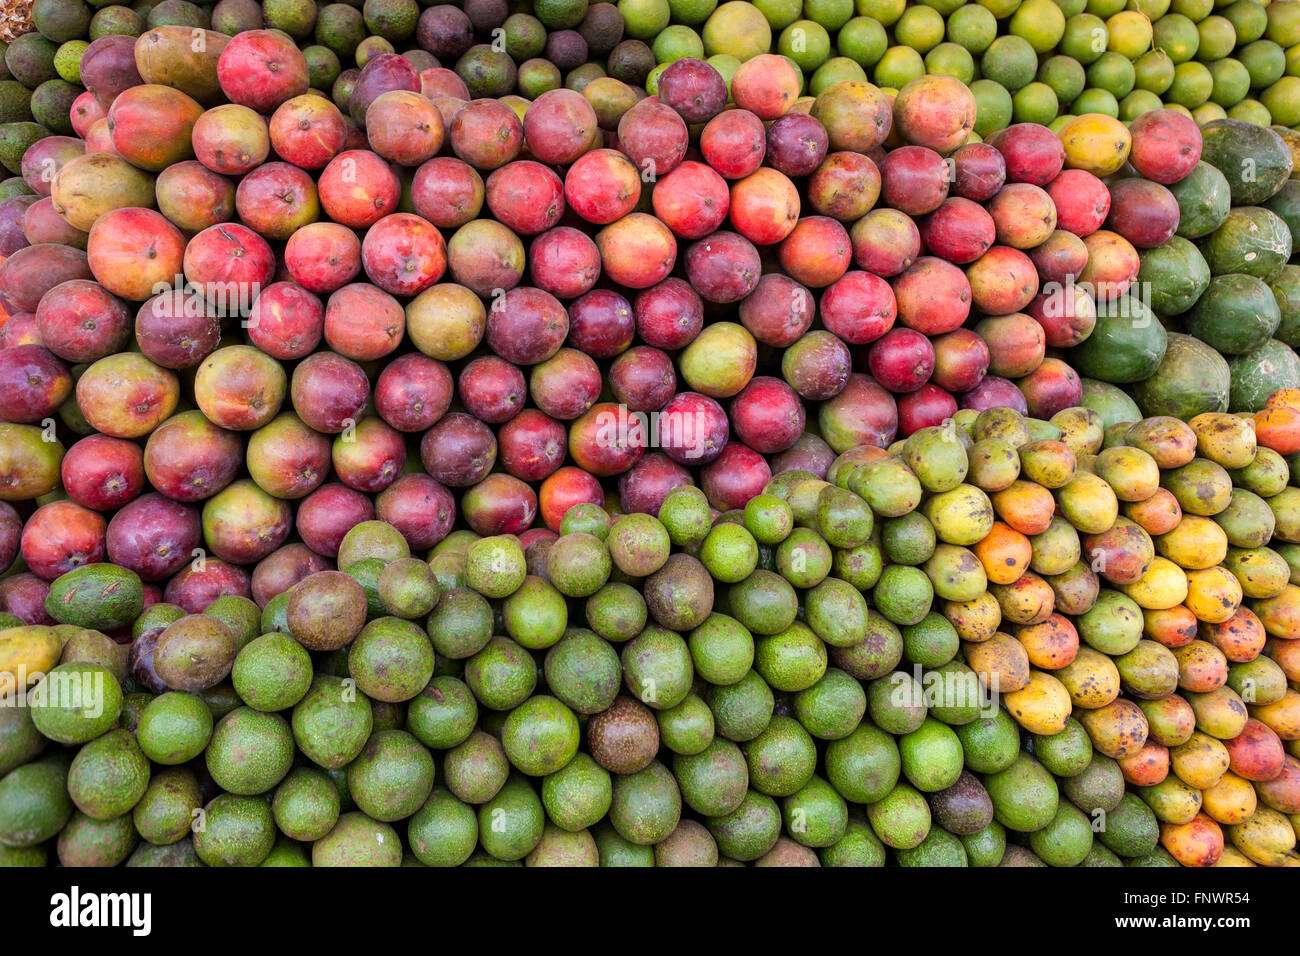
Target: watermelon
[1257, 375]
[1253, 240]
[1286, 203]
[1174, 275]
[1192, 378]
[1285, 284]
[1126, 345]
[1236, 314]
[1254, 159]
[1203, 201]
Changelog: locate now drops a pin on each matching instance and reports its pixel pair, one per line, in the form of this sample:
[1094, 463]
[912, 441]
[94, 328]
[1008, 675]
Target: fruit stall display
[663, 434]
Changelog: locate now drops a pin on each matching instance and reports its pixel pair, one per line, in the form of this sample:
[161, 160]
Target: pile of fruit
[473, 434]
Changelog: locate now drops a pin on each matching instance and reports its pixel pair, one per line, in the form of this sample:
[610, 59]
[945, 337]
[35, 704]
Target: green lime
[1129, 34]
[806, 43]
[676, 43]
[1231, 82]
[726, 65]
[832, 14]
[1095, 100]
[1105, 8]
[692, 12]
[1153, 72]
[738, 28]
[1266, 62]
[1177, 36]
[1000, 8]
[993, 107]
[1010, 61]
[1192, 85]
[1085, 38]
[1035, 103]
[778, 13]
[945, 7]
[1194, 10]
[949, 59]
[1137, 103]
[1251, 111]
[1113, 73]
[1282, 100]
[898, 67]
[1249, 20]
[838, 69]
[1218, 38]
[1065, 75]
[1040, 22]
[863, 40]
[886, 12]
[1153, 10]
[1207, 112]
[920, 27]
[973, 27]
[644, 19]
[1283, 23]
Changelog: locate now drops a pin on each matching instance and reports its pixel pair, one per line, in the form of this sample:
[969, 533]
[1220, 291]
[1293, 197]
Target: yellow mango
[1281, 614]
[1231, 800]
[1131, 472]
[1219, 712]
[1261, 572]
[1224, 439]
[1163, 585]
[1091, 679]
[1196, 543]
[975, 620]
[1000, 661]
[1282, 717]
[1213, 594]
[1097, 143]
[1198, 842]
[1088, 503]
[1042, 706]
[1266, 837]
[1119, 729]
[1081, 429]
[1201, 762]
[961, 516]
[1172, 801]
[1234, 857]
[27, 651]
[1169, 441]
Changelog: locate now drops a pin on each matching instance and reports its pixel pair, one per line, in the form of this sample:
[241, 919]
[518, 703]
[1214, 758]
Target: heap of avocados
[1002, 641]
